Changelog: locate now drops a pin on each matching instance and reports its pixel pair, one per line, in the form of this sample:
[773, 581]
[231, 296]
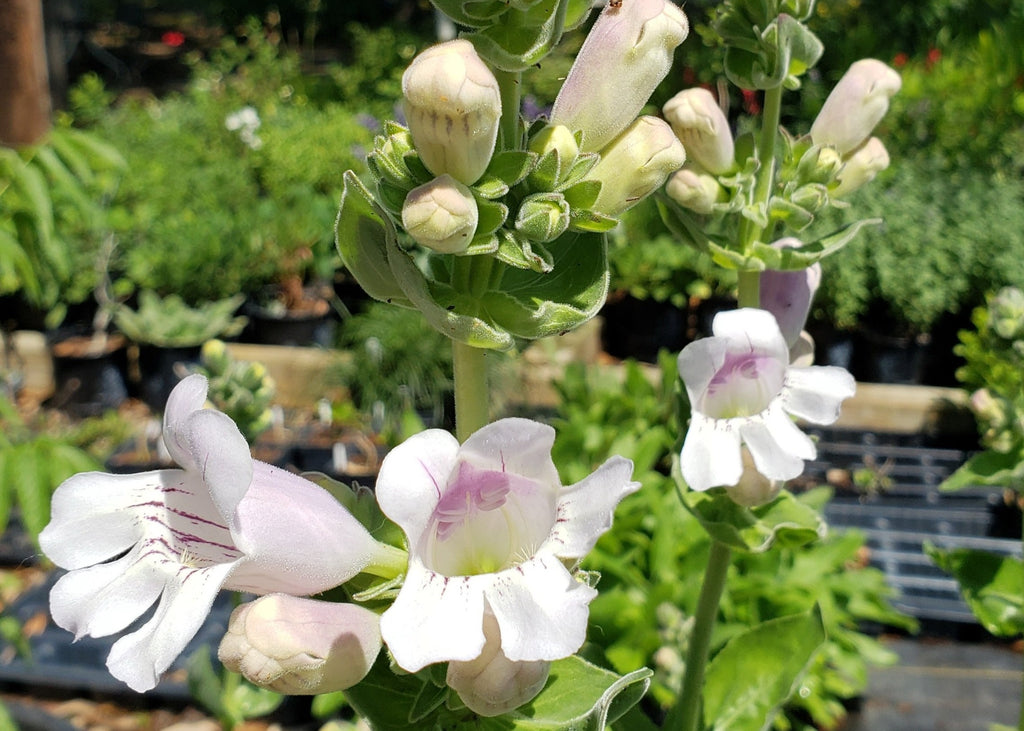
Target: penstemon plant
[465, 564]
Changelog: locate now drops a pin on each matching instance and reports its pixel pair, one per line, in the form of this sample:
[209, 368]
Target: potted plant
[169, 334]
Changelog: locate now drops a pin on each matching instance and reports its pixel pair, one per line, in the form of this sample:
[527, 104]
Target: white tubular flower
[701, 125]
[788, 294]
[441, 215]
[742, 391]
[635, 164]
[491, 530]
[857, 103]
[491, 684]
[180, 535]
[696, 190]
[452, 105]
[861, 167]
[301, 646]
[627, 53]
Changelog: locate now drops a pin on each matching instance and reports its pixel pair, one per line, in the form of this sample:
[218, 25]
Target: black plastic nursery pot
[160, 369]
[89, 372]
[639, 328]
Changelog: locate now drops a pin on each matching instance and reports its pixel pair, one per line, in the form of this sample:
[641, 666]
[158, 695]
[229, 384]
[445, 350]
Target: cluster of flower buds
[701, 125]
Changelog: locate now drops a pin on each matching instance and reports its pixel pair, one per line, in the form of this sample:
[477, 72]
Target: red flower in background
[934, 54]
[750, 101]
[173, 38]
[900, 60]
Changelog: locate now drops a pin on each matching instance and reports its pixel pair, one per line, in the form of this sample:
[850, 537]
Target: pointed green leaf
[992, 586]
[362, 232]
[490, 217]
[803, 256]
[490, 187]
[757, 671]
[522, 38]
[583, 194]
[512, 166]
[989, 468]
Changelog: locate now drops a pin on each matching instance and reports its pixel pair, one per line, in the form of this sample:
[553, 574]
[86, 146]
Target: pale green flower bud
[695, 190]
[492, 684]
[861, 167]
[301, 646]
[810, 197]
[441, 215]
[555, 137]
[701, 125]
[857, 103]
[452, 106]
[543, 217]
[627, 53]
[819, 164]
[635, 164]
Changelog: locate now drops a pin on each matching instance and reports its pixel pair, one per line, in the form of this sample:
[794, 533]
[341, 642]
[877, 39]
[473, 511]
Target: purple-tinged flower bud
[441, 215]
[861, 167]
[857, 103]
[301, 646]
[635, 164]
[788, 294]
[627, 53]
[452, 105]
[696, 190]
[701, 125]
[492, 684]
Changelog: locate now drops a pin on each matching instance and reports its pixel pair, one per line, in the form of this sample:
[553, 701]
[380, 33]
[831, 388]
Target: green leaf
[757, 671]
[490, 187]
[583, 194]
[362, 234]
[989, 468]
[522, 38]
[512, 166]
[992, 586]
[490, 217]
[803, 256]
[534, 305]
[785, 520]
[204, 683]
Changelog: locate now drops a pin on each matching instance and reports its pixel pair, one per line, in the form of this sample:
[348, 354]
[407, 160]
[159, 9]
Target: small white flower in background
[245, 121]
[742, 392]
[491, 530]
[453, 106]
[180, 535]
[301, 646]
[441, 215]
[857, 103]
[702, 128]
[635, 164]
[626, 54]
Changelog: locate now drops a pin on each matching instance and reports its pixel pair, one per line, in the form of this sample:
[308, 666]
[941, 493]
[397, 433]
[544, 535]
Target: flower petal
[186, 398]
[815, 393]
[711, 453]
[751, 330]
[221, 456]
[298, 539]
[541, 609]
[412, 478]
[104, 599]
[139, 658]
[777, 445]
[698, 363]
[435, 619]
[92, 517]
[519, 446]
[584, 510]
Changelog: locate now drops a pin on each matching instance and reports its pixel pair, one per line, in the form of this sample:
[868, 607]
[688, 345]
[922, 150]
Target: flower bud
[560, 140]
[819, 164]
[695, 190]
[811, 197]
[861, 167]
[635, 164]
[543, 217]
[788, 294]
[627, 53]
[857, 103]
[492, 684]
[701, 125]
[300, 646]
[452, 105]
[441, 215]
[753, 489]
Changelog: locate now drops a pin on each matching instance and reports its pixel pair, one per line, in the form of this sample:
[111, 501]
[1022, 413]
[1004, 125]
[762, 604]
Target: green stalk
[686, 714]
[510, 85]
[748, 288]
[472, 395]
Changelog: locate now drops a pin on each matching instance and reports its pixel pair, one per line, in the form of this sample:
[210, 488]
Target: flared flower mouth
[745, 384]
[486, 522]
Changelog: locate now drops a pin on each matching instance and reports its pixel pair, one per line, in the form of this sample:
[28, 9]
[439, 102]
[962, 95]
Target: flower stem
[510, 86]
[472, 396]
[748, 288]
[685, 716]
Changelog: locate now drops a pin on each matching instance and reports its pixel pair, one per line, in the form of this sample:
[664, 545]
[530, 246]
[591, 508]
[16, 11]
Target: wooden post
[24, 88]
